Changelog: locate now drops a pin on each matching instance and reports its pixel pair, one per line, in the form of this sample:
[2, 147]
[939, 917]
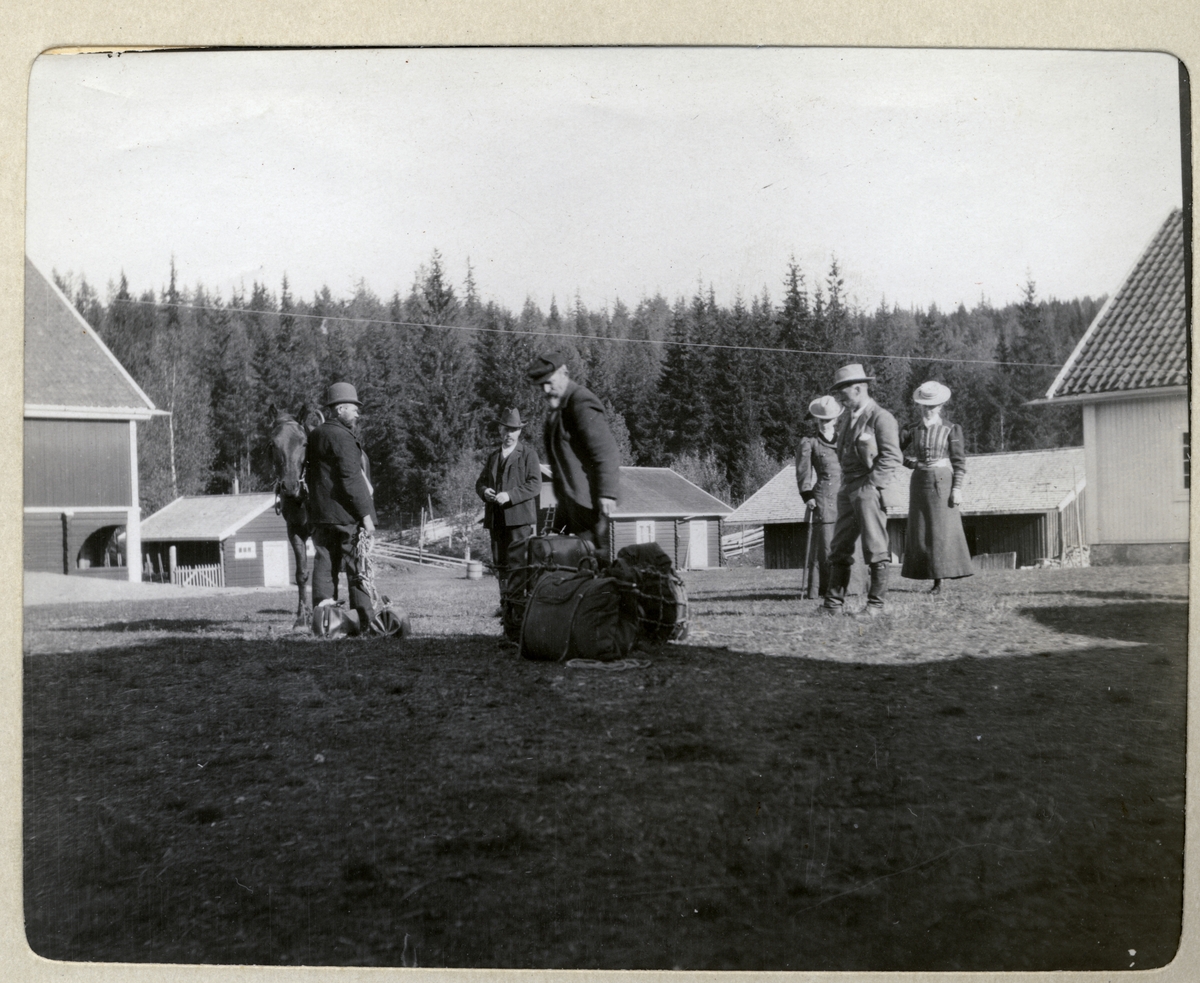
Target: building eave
[1110, 396]
[40, 411]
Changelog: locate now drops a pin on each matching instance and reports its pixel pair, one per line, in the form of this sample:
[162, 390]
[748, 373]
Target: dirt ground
[990, 780]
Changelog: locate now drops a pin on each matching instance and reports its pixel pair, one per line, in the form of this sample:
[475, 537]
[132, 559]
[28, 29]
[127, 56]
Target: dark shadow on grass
[780, 595]
[1158, 622]
[151, 624]
[1109, 595]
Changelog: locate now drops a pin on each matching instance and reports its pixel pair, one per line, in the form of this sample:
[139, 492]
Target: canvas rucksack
[573, 615]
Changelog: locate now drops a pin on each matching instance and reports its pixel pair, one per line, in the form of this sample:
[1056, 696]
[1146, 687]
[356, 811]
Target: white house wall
[1134, 460]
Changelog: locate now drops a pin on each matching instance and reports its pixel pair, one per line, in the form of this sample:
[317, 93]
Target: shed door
[275, 562]
[698, 544]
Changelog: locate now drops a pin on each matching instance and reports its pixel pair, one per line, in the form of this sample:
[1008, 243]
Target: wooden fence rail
[204, 575]
[411, 554]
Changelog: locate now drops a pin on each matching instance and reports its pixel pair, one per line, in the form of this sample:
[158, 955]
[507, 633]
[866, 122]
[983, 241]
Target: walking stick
[807, 582]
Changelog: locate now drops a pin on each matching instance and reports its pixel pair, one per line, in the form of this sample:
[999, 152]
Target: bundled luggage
[543, 554]
[577, 615]
[661, 596]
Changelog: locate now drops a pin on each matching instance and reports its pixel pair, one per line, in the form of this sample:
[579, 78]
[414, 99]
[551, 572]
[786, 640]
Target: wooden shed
[661, 506]
[1130, 373]
[219, 541]
[1024, 502]
[82, 408]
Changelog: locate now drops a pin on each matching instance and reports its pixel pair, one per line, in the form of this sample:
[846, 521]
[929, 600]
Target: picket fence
[203, 575]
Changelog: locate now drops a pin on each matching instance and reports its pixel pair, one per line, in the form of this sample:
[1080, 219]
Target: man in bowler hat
[510, 483]
[868, 449]
[581, 451]
[341, 500]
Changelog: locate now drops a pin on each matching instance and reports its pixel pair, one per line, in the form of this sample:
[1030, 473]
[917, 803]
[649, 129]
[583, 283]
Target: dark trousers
[575, 520]
[818, 571]
[334, 546]
[508, 551]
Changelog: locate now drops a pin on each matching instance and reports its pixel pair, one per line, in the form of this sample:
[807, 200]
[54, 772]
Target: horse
[289, 445]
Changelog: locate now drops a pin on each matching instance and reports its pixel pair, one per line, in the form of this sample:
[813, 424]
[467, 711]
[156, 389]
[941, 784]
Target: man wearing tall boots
[868, 449]
[581, 451]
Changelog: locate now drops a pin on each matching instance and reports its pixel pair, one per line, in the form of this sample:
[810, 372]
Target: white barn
[1130, 373]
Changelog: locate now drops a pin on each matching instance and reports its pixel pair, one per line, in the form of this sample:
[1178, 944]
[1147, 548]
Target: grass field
[990, 780]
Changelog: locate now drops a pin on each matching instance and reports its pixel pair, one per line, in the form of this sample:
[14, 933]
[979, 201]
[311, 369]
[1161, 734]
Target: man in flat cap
[340, 500]
[510, 483]
[868, 449]
[581, 451]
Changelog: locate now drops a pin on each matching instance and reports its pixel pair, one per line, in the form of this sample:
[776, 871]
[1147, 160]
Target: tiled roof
[66, 363]
[1013, 483]
[661, 491]
[1139, 338]
[204, 517]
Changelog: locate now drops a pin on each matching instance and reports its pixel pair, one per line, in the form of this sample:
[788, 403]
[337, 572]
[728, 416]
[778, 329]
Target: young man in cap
[581, 451]
[340, 500]
[510, 483]
[868, 449]
[819, 478]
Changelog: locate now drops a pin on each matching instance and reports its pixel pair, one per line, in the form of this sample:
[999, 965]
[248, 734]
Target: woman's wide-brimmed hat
[825, 408]
[931, 394]
[848, 375]
[511, 420]
[341, 392]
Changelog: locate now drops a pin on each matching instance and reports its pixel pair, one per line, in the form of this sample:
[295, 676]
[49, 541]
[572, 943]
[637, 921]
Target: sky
[933, 176]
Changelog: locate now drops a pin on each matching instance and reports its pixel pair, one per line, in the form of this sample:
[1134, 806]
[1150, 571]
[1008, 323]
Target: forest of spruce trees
[689, 383]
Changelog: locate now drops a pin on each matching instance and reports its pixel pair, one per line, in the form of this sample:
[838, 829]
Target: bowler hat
[825, 408]
[931, 394]
[848, 375]
[341, 392]
[511, 420]
[545, 366]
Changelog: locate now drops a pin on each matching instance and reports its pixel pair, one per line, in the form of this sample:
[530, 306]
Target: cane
[807, 583]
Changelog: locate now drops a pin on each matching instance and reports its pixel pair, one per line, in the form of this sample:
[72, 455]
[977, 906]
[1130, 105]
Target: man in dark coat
[510, 483]
[583, 456]
[819, 477]
[868, 445]
[340, 500]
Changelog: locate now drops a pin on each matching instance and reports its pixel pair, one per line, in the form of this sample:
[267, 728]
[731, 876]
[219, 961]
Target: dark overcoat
[339, 475]
[819, 471]
[581, 450]
[520, 474]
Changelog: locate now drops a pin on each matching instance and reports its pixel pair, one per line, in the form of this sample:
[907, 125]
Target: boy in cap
[340, 500]
[868, 449]
[581, 451]
[510, 483]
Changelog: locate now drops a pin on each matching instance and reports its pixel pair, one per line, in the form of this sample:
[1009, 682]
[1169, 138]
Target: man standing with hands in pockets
[868, 449]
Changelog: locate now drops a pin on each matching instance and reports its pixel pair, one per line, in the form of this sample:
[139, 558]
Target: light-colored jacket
[869, 448]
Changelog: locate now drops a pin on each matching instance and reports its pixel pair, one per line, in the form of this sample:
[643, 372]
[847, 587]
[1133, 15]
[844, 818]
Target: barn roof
[663, 492]
[1138, 341]
[210, 518]
[69, 371]
[1013, 483]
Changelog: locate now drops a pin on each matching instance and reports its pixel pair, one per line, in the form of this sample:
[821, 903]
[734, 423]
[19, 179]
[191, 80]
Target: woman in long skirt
[935, 547]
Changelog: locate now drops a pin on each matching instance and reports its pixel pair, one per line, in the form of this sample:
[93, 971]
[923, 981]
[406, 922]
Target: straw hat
[825, 408]
[931, 394]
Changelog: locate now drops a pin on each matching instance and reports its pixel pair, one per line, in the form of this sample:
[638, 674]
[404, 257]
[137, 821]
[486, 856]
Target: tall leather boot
[877, 592]
[839, 580]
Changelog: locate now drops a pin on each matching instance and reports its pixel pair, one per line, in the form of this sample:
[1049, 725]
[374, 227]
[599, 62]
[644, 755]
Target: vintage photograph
[607, 508]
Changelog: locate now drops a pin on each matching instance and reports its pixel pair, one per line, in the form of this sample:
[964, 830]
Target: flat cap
[544, 366]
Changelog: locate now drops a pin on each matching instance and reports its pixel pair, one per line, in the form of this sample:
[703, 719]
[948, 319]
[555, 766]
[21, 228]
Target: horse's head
[289, 441]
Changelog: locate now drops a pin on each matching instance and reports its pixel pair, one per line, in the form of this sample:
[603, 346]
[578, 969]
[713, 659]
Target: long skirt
[935, 547]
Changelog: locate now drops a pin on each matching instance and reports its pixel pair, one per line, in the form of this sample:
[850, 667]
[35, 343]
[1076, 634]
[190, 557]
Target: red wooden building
[82, 409]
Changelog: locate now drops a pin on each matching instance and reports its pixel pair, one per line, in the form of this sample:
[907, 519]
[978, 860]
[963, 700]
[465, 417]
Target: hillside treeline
[689, 383]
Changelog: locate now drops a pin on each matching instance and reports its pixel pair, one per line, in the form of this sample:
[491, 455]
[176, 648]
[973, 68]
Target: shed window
[645, 531]
[245, 551]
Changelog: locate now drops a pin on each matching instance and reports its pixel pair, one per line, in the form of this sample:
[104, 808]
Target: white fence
[414, 554]
[203, 575]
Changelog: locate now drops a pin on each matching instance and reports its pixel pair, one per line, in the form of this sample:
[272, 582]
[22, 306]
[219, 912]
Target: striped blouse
[931, 446]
